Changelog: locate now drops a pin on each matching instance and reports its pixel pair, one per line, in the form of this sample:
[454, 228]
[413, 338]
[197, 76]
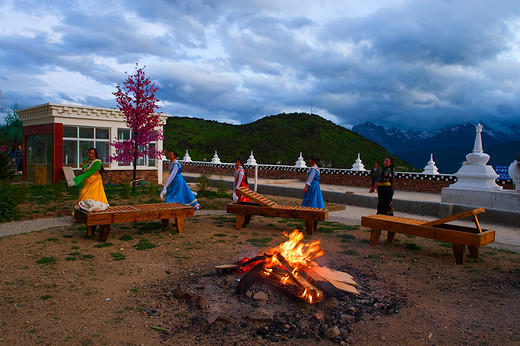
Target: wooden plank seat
[132, 213]
[459, 236]
[262, 206]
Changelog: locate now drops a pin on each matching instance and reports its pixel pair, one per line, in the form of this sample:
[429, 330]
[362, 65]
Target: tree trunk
[134, 176]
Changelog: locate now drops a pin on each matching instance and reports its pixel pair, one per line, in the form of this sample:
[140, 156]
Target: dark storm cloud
[408, 64]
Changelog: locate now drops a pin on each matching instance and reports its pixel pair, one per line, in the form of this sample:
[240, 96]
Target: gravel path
[28, 226]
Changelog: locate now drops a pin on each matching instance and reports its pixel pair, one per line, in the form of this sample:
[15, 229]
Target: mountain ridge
[275, 138]
[449, 144]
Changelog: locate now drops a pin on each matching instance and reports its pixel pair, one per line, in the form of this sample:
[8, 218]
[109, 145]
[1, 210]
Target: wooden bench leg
[239, 221]
[91, 230]
[390, 237]
[311, 226]
[473, 251]
[165, 223]
[247, 220]
[103, 232]
[459, 252]
[374, 236]
[179, 224]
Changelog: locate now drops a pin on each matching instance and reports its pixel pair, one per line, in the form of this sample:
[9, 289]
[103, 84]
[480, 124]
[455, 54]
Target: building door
[39, 159]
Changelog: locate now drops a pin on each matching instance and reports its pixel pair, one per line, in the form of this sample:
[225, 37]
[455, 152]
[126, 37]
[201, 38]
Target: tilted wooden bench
[264, 207]
[132, 213]
[459, 236]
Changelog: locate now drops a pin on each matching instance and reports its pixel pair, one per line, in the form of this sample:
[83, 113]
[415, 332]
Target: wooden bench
[132, 213]
[264, 207]
[459, 236]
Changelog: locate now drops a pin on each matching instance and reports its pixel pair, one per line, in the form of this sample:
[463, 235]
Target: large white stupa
[476, 186]
[475, 174]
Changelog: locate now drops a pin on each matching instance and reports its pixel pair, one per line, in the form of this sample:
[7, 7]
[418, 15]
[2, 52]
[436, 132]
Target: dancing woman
[312, 192]
[175, 189]
[385, 189]
[240, 181]
[91, 181]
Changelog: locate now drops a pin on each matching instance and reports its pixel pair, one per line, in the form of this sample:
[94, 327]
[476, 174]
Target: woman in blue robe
[175, 189]
[312, 192]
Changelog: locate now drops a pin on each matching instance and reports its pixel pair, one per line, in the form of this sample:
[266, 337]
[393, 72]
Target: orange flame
[296, 253]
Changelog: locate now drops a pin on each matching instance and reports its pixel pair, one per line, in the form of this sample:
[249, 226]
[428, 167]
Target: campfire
[292, 267]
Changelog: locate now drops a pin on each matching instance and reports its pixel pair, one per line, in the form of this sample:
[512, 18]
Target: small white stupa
[300, 163]
[430, 168]
[215, 158]
[251, 160]
[358, 165]
[475, 174]
[186, 157]
[514, 173]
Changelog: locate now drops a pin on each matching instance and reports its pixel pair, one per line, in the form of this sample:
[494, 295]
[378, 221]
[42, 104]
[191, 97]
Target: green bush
[6, 166]
[153, 190]
[221, 187]
[23, 193]
[204, 181]
[125, 190]
[8, 202]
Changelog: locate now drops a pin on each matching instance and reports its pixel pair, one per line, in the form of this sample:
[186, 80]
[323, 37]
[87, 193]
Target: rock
[346, 318]
[352, 310]
[344, 333]
[319, 315]
[212, 317]
[333, 332]
[260, 296]
[203, 303]
[350, 340]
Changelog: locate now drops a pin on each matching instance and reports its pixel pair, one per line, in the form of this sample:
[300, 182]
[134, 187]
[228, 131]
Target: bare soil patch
[58, 287]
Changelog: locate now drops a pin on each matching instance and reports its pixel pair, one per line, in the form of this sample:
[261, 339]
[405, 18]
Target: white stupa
[475, 174]
[300, 163]
[514, 173]
[430, 168]
[476, 186]
[186, 157]
[215, 158]
[358, 165]
[251, 160]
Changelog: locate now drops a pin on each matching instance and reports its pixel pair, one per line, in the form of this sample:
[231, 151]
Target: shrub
[221, 187]
[8, 202]
[204, 181]
[125, 190]
[153, 190]
[6, 166]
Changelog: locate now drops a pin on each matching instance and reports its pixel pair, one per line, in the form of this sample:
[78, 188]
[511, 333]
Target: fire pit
[261, 299]
[291, 266]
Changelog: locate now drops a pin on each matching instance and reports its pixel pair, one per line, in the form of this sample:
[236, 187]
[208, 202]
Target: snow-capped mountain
[449, 144]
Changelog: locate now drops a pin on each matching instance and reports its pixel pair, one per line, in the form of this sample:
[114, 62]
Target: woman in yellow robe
[91, 179]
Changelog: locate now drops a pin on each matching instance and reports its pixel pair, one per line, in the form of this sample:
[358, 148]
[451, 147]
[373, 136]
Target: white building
[57, 135]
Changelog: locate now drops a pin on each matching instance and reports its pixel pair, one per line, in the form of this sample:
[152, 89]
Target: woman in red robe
[240, 181]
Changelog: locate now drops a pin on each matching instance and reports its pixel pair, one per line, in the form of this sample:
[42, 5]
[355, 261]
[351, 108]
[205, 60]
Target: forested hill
[274, 138]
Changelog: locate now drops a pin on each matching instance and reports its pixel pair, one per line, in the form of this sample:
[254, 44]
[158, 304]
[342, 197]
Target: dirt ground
[59, 287]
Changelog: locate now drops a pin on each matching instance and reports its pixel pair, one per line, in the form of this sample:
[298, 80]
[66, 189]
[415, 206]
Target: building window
[126, 134]
[77, 140]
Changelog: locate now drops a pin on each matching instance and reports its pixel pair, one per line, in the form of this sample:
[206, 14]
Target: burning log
[344, 282]
[250, 278]
[291, 266]
[294, 273]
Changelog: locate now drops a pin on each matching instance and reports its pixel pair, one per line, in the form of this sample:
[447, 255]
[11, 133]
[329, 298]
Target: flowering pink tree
[136, 100]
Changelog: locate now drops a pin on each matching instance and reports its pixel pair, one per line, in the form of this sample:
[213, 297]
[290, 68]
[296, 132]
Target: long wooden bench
[133, 213]
[264, 207]
[459, 236]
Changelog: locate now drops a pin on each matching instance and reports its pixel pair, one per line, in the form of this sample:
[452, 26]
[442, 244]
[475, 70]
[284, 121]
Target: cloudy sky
[412, 64]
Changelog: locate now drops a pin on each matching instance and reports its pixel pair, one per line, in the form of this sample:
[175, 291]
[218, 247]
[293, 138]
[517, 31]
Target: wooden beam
[454, 217]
